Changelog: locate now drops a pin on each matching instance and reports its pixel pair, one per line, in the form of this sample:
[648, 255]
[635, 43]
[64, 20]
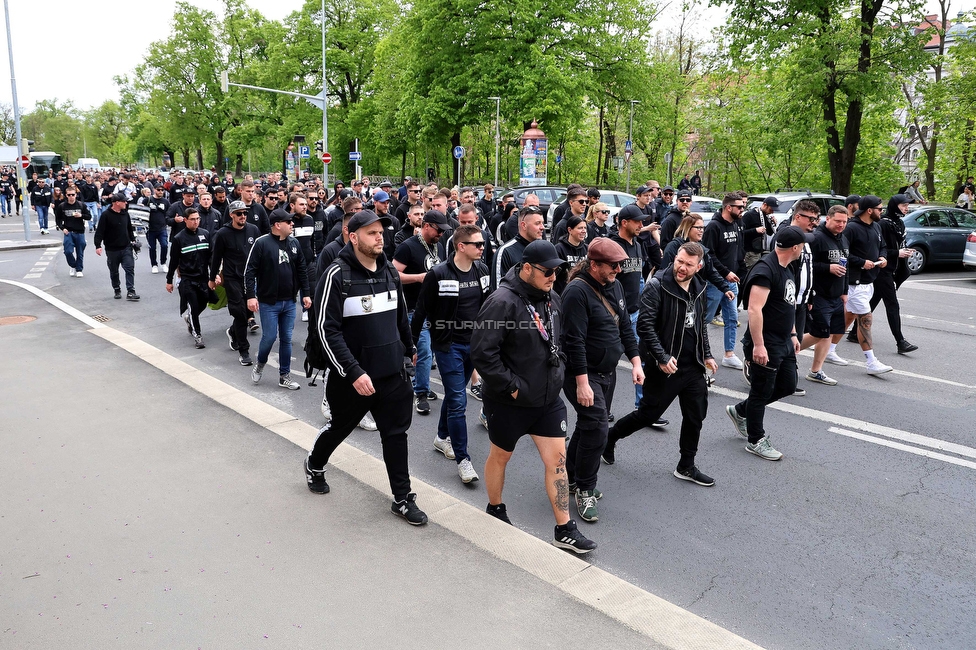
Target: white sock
[833, 348]
[869, 355]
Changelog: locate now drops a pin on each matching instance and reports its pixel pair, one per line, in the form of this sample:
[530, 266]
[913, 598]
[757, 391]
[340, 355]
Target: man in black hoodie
[190, 255]
[723, 237]
[231, 246]
[522, 368]
[891, 276]
[69, 217]
[115, 229]
[361, 321]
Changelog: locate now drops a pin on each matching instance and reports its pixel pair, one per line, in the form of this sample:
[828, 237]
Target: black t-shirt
[687, 357]
[286, 270]
[779, 312]
[631, 271]
[469, 304]
[416, 258]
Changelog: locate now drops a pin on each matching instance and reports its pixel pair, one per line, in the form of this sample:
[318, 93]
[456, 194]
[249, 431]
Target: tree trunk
[456, 166]
[239, 165]
[186, 157]
[599, 149]
[220, 152]
[199, 158]
[403, 164]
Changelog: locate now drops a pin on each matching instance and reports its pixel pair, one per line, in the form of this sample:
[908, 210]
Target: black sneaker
[611, 417]
[132, 295]
[230, 341]
[569, 538]
[252, 325]
[118, 294]
[692, 474]
[316, 479]
[423, 407]
[661, 423]
[477, 391]
[904, 347]
[431, 396]
[608, 451]
[246, 359]
[499, 512]
[407, 508]
[852, 335]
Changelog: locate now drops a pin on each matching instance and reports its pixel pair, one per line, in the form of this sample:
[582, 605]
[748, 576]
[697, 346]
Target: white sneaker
[165, 268]
[732, 362]
[304, 316]
[71, 273]
[79, 274]
[466, 471]
[367, 423]
[326, 410]
[877, 368]
[832, 357]
[444, 446]
[155, 270]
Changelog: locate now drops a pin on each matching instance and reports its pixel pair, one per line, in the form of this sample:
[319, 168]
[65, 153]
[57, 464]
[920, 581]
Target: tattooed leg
[864, 331]
[553, 453]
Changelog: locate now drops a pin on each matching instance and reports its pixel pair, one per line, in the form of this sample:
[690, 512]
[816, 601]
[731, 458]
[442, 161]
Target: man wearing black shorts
[522, 370]
[825, 326]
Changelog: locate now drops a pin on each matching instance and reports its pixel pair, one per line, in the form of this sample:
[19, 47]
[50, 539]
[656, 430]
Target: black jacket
[865, 244]
[230, 248]
[893, 237]
[438, 302]
[508, 255]
[669, 225]
[591, 338]
[261, 270]
[190, 253]
[755, 242]
[115, 229]
[510, 352]
[707, 270]
[362, 319]
[157, 214]
[210, 220]
[827, 249]
[661, 323]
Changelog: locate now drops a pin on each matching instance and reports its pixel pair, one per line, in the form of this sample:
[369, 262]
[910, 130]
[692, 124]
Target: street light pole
[325, 105]
[498, 133]
[21, 179]
[630, 139]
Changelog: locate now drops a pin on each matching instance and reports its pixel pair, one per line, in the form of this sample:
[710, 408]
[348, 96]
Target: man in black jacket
[757, 225]
[361, 322]
[891, 276]
[210, 218]
[450, 298]
[190, 255]
[156, 231]
[723, 237]
[596, 332]
[115, 229]
[522, 369]
[674, 345]
[231, 246]
[274, 273]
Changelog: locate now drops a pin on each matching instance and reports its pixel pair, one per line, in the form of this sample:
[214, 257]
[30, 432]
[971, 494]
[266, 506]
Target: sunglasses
[544, 271]
[72, 195]
[684, 200]
[603, 212]
[580, 201]
[616, 266]
[479, 244]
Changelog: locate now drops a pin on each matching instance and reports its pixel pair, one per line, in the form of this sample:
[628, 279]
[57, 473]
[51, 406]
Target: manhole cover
[16, 320]
[101, 318]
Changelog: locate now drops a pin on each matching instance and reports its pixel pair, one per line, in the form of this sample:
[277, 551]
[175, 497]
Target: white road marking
[901, 447]
[937, 321]
[60, 304]
[32, 276]
[937, 289]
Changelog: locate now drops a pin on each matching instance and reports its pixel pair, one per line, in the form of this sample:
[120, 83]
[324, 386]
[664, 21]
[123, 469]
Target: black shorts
[507, 423]
[827, 317]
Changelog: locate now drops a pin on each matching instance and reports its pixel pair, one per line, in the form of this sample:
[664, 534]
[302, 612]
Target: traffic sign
[355, 155]
[459, 152]
[304, 152]
[25, 161]
[629, 146]
[559, 159]
[326, 158]
[627, 155]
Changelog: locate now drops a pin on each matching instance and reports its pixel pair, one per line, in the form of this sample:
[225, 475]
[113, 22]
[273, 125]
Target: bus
[44, 163]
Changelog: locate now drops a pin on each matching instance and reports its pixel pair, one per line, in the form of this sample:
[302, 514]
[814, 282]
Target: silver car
[969, 255]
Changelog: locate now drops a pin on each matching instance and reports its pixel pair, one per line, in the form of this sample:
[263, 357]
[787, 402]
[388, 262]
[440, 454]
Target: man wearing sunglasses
[675, 214]
[723, 237]
[517, 353]
[596, 332]
[663, 203]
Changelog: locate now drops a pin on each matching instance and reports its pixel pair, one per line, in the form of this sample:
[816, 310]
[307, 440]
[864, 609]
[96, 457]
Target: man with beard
[220, 202]
[411, 226]
[318, 221]
[723, 237]
[231, 246]
[190, 255]
[381, 206]
[176, 214]
[359, 307]
[674, 345]
[864, 262]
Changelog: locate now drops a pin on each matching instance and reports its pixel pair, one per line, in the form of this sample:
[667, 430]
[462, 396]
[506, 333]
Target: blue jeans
[96, 211]
[638, 389]
[277, 321]
[421, 379]
[41, 216]
[5, 204]
[730, 314]
[152, 238]
[74, 250]
[455, 367]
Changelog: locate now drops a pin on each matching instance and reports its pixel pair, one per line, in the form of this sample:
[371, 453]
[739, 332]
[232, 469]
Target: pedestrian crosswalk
[42, 264]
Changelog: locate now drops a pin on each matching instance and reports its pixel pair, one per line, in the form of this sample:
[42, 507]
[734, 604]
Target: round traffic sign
[326, 157]
[25, 161]
[459, 152]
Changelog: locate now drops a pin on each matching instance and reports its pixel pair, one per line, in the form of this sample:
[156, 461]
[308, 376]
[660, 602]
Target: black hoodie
[893, 234]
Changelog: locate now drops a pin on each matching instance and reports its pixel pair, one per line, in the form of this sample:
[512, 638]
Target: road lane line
[901, 447]
[937, 289]
[903, 373]
[938, 321]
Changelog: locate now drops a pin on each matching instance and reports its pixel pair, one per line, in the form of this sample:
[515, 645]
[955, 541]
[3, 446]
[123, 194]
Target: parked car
[614, 200]
[787, 199]
[938, 235]
[969, 255]
[546, 193]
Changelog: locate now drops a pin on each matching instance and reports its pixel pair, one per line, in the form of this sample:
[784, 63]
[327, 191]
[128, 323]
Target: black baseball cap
[771, 201]
[641, 189]
[792, 236]
[542, 253]
[853, 199]
[683, 194]
[630, 212]
[280, 215]
[866, 203]
[365, 218]
[437, 219]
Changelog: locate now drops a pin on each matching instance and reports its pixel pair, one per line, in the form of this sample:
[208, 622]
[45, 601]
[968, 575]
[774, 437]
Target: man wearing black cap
[522, 369]
[770, 343]
[274, 274]
[674, 345]
[672, 219]
[361, 322]
[231, 247]
[663, 204]
[413, 259]
[757, 226]
[115, 229]
[851, 204]
[864, 262]
[596, 332]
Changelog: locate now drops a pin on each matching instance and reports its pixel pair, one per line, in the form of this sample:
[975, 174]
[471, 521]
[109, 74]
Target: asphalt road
[861, 537]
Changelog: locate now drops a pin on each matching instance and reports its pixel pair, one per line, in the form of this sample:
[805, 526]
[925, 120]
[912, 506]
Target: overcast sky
[64, 49]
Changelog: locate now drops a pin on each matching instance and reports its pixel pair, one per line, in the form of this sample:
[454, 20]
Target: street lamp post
[325, 105]
[630, 139]
[498, 133]
[21, 179]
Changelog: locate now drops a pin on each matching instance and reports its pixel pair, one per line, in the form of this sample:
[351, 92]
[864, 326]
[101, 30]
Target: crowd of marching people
[396, 282]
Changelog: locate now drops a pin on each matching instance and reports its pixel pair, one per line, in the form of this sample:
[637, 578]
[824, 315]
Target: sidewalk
[139, 513]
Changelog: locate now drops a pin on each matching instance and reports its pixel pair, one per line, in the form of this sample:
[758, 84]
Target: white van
[87, 163]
